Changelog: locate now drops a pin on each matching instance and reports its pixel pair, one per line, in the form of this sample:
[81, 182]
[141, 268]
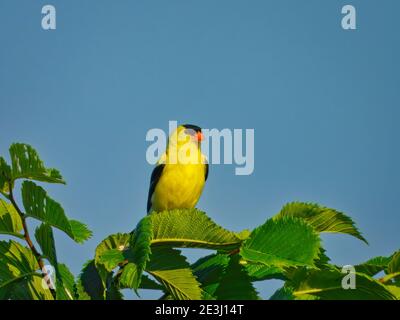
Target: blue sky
[324, 104]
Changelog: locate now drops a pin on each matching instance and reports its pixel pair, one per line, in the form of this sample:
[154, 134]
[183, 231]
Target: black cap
[192, 127]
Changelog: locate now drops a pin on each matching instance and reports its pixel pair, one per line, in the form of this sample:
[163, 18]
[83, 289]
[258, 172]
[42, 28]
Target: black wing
[206, 176]
[155, 176]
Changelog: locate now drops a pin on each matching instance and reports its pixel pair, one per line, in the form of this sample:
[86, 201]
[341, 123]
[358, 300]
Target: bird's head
[193, 132]
[186, 133]
[185, 143]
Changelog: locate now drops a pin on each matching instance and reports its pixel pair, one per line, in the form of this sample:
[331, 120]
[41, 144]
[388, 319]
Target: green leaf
[113, 292]
[261, 272]
[170, 268]
[93, 284]
[119, 241]
[235, 283]
[284, 293]
[149, 284]
[19, 273]
[322, 260]
[110, 259]
[321, 218]
[65, 283]
[394, 264]
[190, 228]
[40, 206]
[45, 238]
[209, 271]
[373, 266]
[5, 176]
[26, 164]
[140, 249]
[80, 232]
[90, 285]
[128, 279]
[244, 234]
[64, 279]
[29, 288]
[181, 228]
[395, 290]
[15, 261]
[10, 221]
[327, 285]
[130, 276]
[111, 252]
[390, 265]
[281, 243]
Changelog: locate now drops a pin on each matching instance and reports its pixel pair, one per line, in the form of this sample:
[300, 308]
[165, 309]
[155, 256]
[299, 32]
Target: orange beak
[199, 136]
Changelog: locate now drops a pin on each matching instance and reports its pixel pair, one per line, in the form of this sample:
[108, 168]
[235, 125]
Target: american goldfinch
[178, 179]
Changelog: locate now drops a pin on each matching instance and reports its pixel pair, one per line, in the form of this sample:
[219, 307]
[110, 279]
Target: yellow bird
[179, 177]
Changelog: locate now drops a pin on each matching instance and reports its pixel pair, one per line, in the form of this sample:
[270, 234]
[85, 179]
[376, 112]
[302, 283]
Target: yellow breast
[179, 187]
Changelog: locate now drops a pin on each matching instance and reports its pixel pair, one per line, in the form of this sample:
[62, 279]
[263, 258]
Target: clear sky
[324, 104]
